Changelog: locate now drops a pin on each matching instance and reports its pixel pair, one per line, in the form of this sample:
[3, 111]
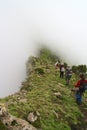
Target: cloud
[24, 24]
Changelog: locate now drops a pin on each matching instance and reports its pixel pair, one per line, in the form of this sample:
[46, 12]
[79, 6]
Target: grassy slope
[55, 113]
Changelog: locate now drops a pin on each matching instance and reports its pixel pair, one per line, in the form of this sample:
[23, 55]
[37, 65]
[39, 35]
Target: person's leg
[69, 77]
[67, 80]
[61, 74]
[78, 98]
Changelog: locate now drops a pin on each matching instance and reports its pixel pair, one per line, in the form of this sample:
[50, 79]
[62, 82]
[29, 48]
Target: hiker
[56, 65]
[68, 74]
[62, 70]
[80, 87]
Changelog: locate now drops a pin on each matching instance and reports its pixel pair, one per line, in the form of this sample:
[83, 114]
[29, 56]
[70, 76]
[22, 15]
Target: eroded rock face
[13, 123]
[3, 110]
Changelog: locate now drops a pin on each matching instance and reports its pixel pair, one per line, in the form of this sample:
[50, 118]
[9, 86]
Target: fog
[27, 24]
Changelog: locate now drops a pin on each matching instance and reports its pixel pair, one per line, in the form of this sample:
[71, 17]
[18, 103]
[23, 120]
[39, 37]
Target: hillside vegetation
[43, 92]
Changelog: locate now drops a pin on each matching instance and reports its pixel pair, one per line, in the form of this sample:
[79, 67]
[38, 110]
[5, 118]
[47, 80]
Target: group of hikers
[65, 71]
[79, 87]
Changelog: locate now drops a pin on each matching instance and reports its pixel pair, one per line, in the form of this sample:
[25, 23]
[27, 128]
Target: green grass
[55, 113]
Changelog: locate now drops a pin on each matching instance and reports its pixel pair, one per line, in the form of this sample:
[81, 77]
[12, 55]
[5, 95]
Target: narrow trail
[83, 109]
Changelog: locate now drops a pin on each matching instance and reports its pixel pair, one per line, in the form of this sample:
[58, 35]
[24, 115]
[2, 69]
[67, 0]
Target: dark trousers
[61, 74]
[79, 97]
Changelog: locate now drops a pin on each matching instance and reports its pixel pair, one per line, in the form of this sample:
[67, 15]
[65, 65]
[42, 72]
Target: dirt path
[83, 109]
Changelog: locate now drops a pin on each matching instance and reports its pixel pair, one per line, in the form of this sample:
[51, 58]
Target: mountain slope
[45, 93]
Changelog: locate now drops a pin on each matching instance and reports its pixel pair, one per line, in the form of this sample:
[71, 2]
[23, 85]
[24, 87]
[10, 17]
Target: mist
[25, 25]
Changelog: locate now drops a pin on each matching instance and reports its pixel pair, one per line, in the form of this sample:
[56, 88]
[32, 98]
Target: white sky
[59, 24]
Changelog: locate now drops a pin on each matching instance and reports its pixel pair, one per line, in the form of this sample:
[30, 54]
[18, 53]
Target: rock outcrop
[12, 122]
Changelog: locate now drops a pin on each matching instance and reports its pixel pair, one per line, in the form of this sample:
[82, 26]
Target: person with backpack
[62, 70]
[68, 74]
[80, 88]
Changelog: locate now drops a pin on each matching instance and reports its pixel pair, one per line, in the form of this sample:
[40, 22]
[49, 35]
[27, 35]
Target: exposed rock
[58, 94]
[19, 98]
[60, 84]
[32, 117]
[29, 68]
[37, 113]
[13, 123]
[23, 100]
[56, 114]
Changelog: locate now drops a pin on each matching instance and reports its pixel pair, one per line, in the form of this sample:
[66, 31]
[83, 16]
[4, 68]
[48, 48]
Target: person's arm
[77, 84]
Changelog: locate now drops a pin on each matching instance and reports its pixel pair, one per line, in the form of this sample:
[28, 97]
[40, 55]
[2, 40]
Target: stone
[58, 94]
[60, 84]
[32, 117]
[12, 122]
